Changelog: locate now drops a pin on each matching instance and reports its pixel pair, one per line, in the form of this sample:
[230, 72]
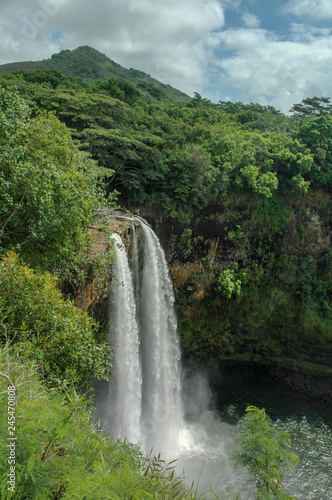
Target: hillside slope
[90, 65]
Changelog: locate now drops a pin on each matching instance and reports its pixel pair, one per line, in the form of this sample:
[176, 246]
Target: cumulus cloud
[173, 41]
[318, 9]
[250, 20]
[183, 43]
[272, 71]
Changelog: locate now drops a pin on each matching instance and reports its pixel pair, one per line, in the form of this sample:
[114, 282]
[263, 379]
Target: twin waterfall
[144, 402]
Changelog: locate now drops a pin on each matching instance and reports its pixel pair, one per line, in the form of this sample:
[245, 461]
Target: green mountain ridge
[90, 65]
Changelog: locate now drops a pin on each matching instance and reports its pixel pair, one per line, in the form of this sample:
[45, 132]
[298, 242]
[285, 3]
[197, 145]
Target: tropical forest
[239, 197]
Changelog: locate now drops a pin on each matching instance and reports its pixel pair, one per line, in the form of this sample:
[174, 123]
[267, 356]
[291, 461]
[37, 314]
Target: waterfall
[125, 397]
[145, 391]
[144, 394]
[161, 401]
[135, 264]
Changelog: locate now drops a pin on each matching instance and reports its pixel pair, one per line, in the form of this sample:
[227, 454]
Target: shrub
[265, 452]
[49, 329]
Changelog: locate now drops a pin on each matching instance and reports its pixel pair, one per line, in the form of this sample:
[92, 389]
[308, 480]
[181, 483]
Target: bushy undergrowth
[59, 453]
[49, 329]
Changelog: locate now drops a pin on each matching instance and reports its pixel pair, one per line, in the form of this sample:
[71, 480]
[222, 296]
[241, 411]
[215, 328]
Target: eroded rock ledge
[91, 295]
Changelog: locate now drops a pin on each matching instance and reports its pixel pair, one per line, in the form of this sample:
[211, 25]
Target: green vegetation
[60, 338]
[265, 452]
[313, 106]
[269, 174]
[317, 135]
[48, 188]
[276, 311]
[186, 155]
[60, 454]
[52, 351]
[244, 195]
[86, 63]
[230, 282]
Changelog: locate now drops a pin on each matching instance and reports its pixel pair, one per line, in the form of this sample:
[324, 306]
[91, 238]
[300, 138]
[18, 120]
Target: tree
[119, 88]
[48, 189]
[265, 452]
[230, 281]
[263, 184]
[313, 106]
[317, 135]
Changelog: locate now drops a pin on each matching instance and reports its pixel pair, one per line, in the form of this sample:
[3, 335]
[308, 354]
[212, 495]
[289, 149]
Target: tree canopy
[60, 338]
[265, 451]
[48, 188]
[313, 106]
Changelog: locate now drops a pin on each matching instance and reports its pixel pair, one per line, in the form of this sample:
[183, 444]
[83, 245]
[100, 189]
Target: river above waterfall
[221, 396]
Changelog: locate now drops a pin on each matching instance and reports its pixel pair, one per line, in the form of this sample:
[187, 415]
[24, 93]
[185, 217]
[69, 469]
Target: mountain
[90, 65]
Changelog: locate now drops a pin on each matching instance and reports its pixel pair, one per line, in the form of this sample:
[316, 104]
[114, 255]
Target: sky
[273, 52]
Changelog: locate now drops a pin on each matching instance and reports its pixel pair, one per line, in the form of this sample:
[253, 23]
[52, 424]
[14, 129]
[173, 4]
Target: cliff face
[222, 236]
[90, 291]
[277, 258]
[93, 294]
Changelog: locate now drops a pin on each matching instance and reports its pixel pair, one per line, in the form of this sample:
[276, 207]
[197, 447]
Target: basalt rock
[319, 386]
[93, 293]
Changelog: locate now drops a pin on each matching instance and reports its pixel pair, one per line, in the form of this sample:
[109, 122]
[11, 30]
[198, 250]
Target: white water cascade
[144, 403]
[125, 396]
[161, 401]
[145, 396]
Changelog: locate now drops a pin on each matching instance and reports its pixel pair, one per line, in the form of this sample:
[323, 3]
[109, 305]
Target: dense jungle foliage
[268, 174]
[90, 65]
[244, 193]
[51, 351]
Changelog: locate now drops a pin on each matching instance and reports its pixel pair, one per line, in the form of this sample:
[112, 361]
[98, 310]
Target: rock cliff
[280, 260]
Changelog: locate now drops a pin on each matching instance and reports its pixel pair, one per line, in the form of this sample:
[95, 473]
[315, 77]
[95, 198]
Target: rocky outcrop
[92, 294]
[90, 291]
[319, 386]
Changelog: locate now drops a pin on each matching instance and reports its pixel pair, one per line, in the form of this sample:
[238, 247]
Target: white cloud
[233, 4]
[305, 33]
[250, 20]
[317, 9]
[271, 71]
[182, 43]
[171, 40]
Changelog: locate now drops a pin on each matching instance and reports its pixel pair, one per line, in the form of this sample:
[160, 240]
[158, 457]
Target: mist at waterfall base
[195, 421]
[216, 399]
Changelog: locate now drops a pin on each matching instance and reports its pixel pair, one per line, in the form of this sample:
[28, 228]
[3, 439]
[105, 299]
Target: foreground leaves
[59, 453]
[265, 452]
